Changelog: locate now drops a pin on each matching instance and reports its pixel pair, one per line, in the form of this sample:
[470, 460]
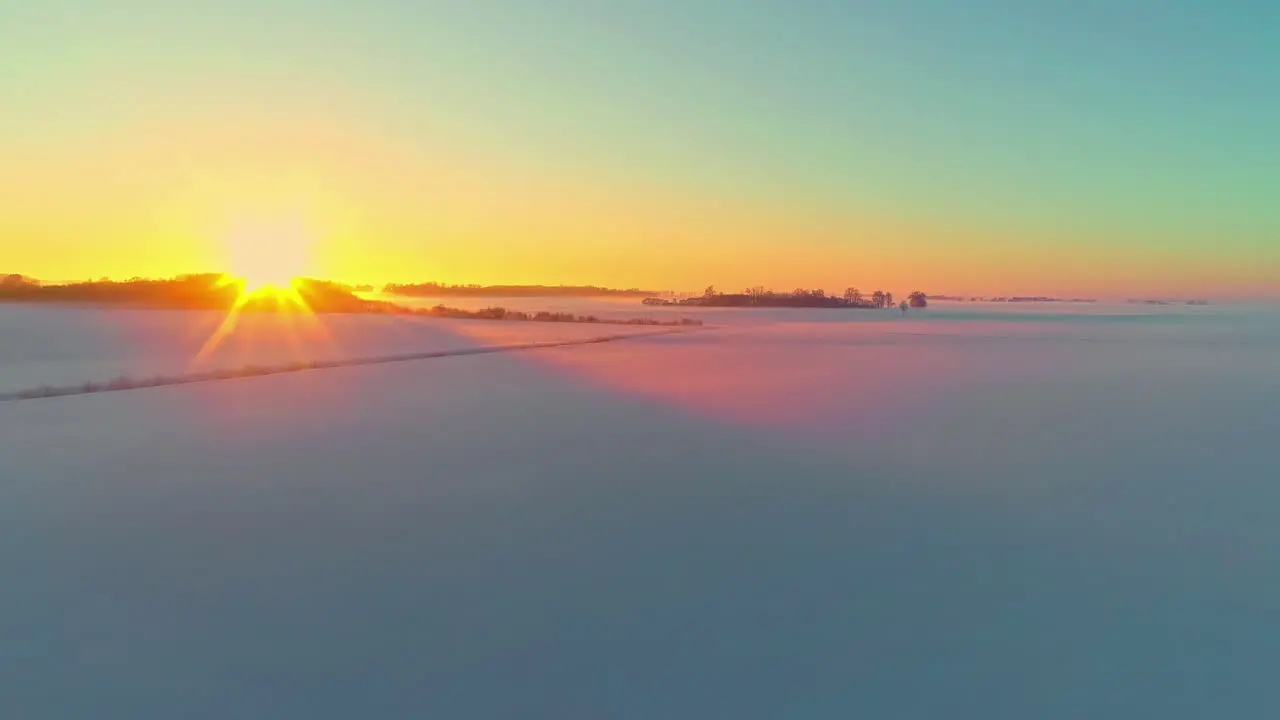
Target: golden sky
[498, 144]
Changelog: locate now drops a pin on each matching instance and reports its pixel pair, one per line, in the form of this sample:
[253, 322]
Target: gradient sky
[987, 146]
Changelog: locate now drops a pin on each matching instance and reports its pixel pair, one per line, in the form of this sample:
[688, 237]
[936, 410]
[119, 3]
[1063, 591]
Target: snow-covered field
[51, 345]
[975, 511]
[599, 306]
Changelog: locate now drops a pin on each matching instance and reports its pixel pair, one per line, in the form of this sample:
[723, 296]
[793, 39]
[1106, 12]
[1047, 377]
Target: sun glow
[268, 257]
[268, 263]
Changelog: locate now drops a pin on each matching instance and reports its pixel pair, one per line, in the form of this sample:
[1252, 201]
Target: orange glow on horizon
[283, 300]
[269, 255]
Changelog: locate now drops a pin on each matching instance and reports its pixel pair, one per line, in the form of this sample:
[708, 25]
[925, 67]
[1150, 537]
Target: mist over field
[1044, 511]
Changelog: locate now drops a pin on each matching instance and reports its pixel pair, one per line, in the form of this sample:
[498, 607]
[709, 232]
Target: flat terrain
[53, 345]
[968, 512]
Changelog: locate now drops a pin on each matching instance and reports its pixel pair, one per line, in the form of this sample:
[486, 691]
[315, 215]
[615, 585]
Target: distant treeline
[501, 313]
[194, 291]
[798, 298]
[432, 289]
[205, 291]
[213, 291]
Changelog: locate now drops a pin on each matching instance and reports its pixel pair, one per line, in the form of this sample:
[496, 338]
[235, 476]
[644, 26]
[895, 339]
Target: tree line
[215, 291]
[434, 289]
[501, 313]
[759, 296]
[200, 291]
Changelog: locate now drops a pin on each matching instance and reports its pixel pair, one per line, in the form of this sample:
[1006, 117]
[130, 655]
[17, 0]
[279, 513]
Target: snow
[59, 346]
[969, 512]
[603, 307]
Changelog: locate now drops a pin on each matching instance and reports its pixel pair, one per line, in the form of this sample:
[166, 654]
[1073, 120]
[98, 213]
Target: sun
[267, 262]
[255, 284]
[265, 256]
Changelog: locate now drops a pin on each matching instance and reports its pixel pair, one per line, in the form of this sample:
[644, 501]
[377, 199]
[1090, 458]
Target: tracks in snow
[248, 371]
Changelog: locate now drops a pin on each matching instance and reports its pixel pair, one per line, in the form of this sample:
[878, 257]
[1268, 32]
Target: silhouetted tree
[17, 281]
[918, 299]
[877, 299]
[888, 299]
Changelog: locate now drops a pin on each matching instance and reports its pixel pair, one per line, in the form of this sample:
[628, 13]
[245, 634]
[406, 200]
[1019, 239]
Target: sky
[984, 147]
